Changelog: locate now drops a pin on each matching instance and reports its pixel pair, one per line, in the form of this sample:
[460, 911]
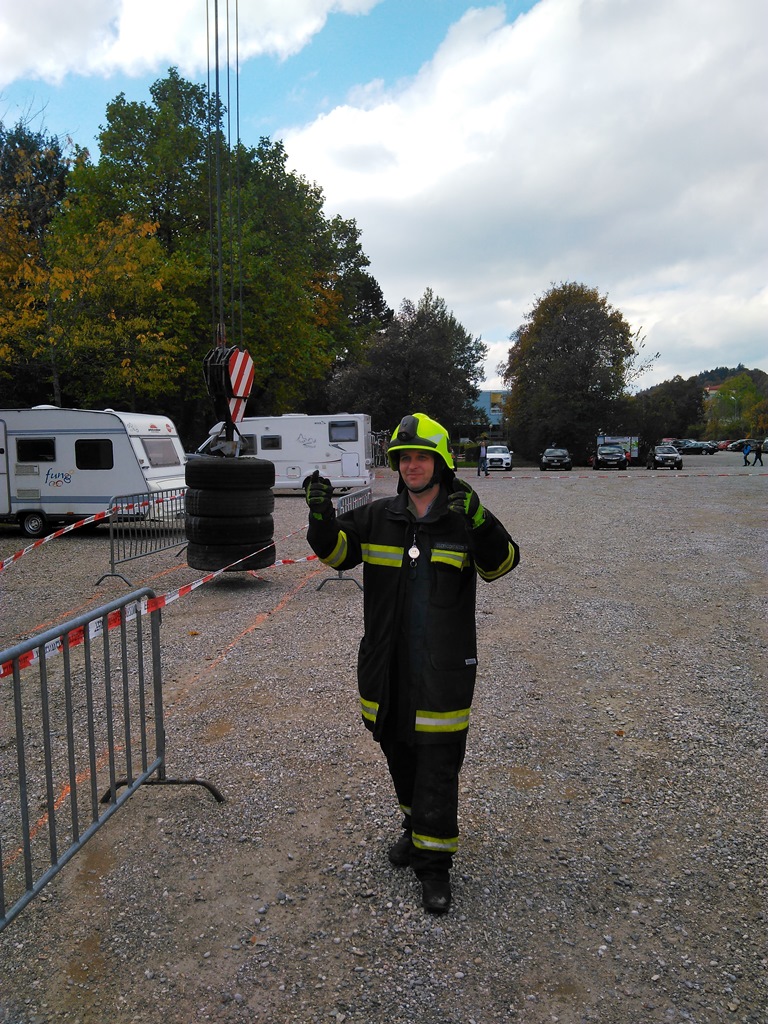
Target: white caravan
[340, 446]
[61, 465]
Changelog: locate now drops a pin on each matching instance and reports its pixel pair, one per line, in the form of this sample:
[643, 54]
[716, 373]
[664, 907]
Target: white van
[61, 465]
[340, 446]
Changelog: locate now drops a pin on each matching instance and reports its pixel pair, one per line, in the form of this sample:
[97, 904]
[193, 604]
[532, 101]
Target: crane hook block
[228, 374]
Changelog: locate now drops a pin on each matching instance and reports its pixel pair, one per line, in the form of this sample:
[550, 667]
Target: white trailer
[340, 446]
[61, 465]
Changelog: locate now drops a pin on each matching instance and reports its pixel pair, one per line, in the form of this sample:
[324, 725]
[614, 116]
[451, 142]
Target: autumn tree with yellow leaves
[111, 271]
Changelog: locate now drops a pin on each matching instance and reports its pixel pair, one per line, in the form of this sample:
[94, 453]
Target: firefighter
[422, 551]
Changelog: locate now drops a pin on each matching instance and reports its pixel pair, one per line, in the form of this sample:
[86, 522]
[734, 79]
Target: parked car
[499, 456]
[609, 456]
[664, 455]
[556, 458]
[696, 447]
[738, 446]
[722, 445]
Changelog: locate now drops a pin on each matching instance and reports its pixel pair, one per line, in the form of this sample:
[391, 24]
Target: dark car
[738, 446]
[696, 447]
[664, 455]
[609, 456]
[555, 458]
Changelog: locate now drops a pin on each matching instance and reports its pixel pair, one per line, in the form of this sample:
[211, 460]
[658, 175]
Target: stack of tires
[229, 506]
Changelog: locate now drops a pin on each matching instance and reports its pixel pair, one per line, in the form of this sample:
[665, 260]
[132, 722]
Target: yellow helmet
[419, 431]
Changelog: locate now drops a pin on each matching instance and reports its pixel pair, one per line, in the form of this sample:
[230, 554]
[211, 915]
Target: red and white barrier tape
[147, 605]
[155, 603]
[75, 638]
[54, 536]
[97, 518]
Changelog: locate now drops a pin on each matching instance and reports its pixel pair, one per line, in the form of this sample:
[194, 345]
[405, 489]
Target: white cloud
[619, 143]
[616, 143]
[49, 39]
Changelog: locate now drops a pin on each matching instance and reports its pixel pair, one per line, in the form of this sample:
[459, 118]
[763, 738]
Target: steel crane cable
[216, 172]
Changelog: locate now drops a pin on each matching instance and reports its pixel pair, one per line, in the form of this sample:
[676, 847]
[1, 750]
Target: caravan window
[35, 449]
[94, 454]
[342, 430]
[271, 442]
[161, 451]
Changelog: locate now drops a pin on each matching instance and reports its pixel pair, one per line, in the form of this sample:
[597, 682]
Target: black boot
[436, 894]
[400, 852]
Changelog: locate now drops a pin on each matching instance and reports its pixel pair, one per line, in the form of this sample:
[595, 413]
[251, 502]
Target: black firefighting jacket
[427, 602]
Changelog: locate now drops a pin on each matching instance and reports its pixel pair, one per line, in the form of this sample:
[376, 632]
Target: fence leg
[213, 790]
[340, 578]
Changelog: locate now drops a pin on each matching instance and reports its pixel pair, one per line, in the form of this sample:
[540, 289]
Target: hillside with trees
[117, 276]
[713, 405]
[570, 368]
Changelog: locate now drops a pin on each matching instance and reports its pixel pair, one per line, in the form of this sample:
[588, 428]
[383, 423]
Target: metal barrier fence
[143, 524]
[89, 720]
[345, 503]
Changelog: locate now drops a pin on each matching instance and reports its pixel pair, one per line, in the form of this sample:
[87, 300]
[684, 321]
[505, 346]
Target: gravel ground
[614, 853]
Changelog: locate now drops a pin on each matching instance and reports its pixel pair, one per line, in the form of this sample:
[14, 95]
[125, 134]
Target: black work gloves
[318, 492]
[464, 502]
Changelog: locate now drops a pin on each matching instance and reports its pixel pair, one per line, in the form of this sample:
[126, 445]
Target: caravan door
[350, 464]
[5, 494]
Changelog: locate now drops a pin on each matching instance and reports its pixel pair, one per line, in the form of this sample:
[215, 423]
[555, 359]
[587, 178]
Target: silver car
[499, 456]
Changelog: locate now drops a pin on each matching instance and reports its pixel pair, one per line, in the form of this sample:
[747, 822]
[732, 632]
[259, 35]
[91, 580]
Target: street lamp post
[735, 400]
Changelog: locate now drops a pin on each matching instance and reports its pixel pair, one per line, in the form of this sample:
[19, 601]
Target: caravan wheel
[33, 524]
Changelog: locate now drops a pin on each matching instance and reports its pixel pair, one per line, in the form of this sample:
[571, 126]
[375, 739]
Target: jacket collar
[398, 507]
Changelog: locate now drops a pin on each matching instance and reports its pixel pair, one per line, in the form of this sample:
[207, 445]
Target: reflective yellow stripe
[370, 709]
[339, 553]
[458, 559]
[405, 810]
[505, 566]
[435, 843]
[382, 554]
[442, 721]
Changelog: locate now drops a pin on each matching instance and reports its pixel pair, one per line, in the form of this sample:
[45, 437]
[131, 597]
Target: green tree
[567, 370]
[674, 408]
[280, 276]
[424, 360]
[85, 288]
[296, 278]
[89, 315]
[168, 236]
[33, 174]
[155, 161]
[739, 408]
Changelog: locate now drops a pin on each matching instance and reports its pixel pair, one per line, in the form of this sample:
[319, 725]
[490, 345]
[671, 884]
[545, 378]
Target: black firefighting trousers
[426, 781]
